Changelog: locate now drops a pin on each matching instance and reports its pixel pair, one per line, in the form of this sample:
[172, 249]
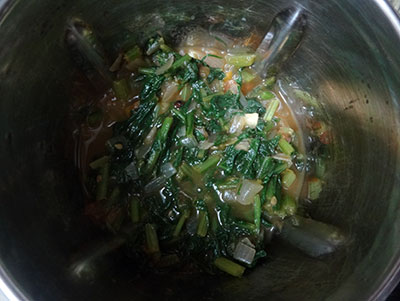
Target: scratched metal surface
[348, 60]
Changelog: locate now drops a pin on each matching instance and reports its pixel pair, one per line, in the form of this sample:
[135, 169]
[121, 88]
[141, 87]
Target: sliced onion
[229, 195]
[243, 145]
[189, 142]
[244, 253]
[170, 91]
[181, 131]
[132, 171]
[243, 100]
[142, 151]
[247, 242]
[205, 144]
[164, 68]
[248, 191]
[283, 157]
[237, 124]
[155, 185]
[192, 106]
[203, 131]
[215, 62]
[230, 112]
[191, 225]
[167, 170]
[149, 139]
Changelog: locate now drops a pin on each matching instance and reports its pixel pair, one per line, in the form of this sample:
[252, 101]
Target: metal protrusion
[87, 53]
[281, 41]
[312, 237]
[90, 262]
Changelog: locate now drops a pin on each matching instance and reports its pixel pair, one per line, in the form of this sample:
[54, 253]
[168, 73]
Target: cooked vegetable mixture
[206, 161]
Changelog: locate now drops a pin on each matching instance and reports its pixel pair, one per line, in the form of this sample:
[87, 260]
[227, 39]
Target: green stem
[202, 227]
[179, 115]
[180, 62]
[159, 144]
[279, 168]
[288, 178]
[257, 212]
[185, 93]
[151, 239]
[271, 188]
[189, 125]
[229, 266]
[286, 147]
[271, 109]
[180, 224]
[209, 163]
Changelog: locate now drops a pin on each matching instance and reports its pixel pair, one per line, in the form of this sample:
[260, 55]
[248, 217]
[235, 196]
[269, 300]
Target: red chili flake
[178, 104]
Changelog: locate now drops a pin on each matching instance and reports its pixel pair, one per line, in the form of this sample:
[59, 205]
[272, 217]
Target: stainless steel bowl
[348, 60]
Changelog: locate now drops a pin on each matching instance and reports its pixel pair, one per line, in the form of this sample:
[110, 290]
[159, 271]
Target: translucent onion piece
[229, 195]
[248, 191]
[243, 145]
[203, 131]
[205, 144]
[244, 253]
[189, 142]
[237, 124]
[142, 151]
[251, 120]
[132, 171]
[167, 170]
[149, 139]
[155, 185]
[283, 157]
[164, 68]
[191, 107]
[243, 100]
[181, 131]
[170, 92]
